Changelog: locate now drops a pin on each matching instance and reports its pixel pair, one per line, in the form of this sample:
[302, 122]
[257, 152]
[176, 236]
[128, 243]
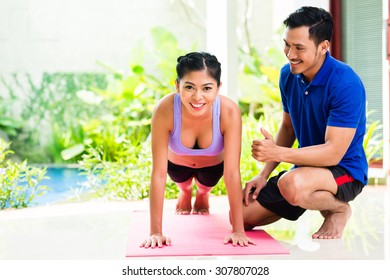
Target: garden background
[79, 81]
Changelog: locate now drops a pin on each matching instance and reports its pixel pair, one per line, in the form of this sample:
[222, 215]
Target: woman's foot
[201, 205]
[183, 206]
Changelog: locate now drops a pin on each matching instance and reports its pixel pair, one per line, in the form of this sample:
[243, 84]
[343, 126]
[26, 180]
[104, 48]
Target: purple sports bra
[178, 148]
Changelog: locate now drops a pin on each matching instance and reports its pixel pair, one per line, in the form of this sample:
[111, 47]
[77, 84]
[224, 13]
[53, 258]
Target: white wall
[70, 35]
[268, 17]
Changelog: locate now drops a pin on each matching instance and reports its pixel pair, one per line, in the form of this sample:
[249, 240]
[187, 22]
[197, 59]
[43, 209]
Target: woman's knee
[185, 186]
[202, 188]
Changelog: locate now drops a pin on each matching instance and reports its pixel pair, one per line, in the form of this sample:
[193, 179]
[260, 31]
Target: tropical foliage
[19, 182]
[102, 121]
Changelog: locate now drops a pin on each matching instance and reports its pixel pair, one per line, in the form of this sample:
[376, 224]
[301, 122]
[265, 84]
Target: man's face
[304, 56]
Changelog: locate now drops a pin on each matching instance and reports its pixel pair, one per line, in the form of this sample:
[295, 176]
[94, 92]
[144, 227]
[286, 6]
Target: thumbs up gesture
[264, 150]
[266, 134]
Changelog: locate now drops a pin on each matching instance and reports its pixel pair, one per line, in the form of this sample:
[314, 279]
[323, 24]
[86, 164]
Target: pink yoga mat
[196, 235]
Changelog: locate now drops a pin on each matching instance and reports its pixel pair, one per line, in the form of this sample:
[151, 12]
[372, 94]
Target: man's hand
[265, 150]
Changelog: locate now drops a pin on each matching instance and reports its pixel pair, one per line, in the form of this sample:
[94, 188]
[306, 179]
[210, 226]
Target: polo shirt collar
[324, 72]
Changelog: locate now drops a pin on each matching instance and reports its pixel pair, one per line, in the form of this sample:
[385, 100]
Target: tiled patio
[98, 230]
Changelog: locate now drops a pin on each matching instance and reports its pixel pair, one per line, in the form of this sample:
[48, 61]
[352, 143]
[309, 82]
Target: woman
[196, 135]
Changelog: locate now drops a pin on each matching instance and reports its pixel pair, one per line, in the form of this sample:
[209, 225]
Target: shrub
[19, 183]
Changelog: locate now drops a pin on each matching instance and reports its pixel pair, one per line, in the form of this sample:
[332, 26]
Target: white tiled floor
[98, 231]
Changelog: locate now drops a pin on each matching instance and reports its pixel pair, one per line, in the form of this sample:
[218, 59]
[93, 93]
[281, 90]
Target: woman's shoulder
[228, 106]
[165, 104]
[230, 114]
[162, 118]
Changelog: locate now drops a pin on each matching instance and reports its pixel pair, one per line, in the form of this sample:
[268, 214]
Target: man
[324, 109]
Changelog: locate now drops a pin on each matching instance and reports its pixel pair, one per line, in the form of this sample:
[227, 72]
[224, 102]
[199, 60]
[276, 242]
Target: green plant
[8, 124]
[258, 77]
[123, 179]
[49, 113]
[373, 142]
[19, 183]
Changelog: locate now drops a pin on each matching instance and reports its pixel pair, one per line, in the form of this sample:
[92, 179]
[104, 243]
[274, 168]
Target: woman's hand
[156, 240]
[238, 238]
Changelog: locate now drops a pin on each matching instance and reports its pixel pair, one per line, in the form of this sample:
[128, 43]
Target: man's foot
[201, 205]
[334, 224]
[183, 206]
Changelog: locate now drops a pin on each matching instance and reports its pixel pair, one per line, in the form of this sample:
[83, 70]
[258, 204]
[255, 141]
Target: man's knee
[290, 186]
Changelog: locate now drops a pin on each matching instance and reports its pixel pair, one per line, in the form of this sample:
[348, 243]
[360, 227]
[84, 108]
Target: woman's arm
[231, 125]
[160, 129]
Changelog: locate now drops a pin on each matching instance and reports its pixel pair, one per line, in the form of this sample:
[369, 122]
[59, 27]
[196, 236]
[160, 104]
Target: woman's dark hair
[319, 21]
[196, 61]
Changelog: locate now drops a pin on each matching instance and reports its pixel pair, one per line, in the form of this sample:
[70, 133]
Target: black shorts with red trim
[347, 187]
[271, 198]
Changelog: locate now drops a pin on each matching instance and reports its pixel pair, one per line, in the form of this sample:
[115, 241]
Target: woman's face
[197, 91]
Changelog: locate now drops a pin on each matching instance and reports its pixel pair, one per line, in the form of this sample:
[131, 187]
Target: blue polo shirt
[335, 97]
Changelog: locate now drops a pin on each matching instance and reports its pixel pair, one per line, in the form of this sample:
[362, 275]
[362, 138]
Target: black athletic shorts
[207, 176]
[271, 198]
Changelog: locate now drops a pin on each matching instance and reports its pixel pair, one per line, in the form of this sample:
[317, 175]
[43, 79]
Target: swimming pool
[64, 183]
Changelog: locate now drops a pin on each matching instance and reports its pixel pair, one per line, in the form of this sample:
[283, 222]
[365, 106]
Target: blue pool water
[64, 182]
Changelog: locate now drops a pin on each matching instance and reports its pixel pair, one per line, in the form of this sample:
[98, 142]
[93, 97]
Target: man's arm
[337, 141]
[284, 138]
